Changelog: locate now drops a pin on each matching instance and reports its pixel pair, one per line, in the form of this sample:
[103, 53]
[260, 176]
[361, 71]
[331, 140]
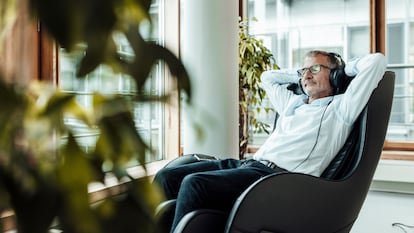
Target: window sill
[112, 186]
[97, 191]
[397, 155]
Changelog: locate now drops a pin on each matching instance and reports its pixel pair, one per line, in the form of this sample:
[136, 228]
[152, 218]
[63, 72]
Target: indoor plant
[254, 58]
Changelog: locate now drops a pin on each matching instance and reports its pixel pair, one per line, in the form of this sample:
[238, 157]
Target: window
[149, 118]
[289, 31]
[343, 27]
[358, 40]
[400, 54]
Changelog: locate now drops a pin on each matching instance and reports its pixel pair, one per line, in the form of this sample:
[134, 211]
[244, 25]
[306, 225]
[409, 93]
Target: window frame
[392, 149]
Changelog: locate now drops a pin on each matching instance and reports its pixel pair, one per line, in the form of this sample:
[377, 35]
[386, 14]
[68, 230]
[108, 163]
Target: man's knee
[164, 179]
[161, 176]
[194, 183]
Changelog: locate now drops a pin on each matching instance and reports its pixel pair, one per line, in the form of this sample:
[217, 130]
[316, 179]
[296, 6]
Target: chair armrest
[202, 221]
[164, 215]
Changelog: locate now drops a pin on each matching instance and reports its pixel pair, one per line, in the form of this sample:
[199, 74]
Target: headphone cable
[317, 136]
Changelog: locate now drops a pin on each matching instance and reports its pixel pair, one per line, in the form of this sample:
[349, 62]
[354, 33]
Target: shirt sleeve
[368, 71]
[275, 83]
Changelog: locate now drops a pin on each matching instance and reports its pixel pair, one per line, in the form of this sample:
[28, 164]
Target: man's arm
[274, 82]
[280, 77]
[368, 71]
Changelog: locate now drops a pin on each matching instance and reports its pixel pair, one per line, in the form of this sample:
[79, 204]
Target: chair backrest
[348, 157]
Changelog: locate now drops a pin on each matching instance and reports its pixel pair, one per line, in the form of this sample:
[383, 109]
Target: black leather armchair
[294, 202]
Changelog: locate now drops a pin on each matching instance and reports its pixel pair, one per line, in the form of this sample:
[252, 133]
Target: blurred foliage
[8, 14]
[43, 179]
[254, 58]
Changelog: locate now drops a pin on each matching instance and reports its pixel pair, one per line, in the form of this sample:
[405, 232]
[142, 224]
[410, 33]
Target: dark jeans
[212, 184]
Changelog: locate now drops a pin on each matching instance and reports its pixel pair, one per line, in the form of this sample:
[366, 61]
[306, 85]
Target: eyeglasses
[313, 69]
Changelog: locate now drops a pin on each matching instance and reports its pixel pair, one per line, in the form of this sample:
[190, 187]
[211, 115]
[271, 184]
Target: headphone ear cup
[333, 79]
[338, 80]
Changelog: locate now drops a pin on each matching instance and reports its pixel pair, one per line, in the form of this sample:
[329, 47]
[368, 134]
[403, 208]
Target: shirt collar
[303, 99]
[318, 102]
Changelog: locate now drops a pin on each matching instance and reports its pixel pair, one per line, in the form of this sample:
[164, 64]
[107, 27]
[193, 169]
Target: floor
[386, 212]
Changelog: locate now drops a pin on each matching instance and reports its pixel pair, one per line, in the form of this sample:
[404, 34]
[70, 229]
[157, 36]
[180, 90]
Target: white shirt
[308, 136]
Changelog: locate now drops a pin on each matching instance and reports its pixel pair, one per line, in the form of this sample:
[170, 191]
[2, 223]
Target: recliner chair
[295, 202]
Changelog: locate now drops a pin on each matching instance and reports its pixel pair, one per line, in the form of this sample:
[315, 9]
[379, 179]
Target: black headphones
[337, 77]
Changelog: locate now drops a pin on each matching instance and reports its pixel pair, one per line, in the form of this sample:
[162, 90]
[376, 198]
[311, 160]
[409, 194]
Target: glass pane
[291, 28]
[400, 55]
[342, 26]
[149, 117]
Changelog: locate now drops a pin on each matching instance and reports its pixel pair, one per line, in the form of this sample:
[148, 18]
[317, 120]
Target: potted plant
[43, 180]
[254, 58]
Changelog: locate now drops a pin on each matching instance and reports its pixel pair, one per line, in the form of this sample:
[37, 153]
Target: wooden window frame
[393, 150]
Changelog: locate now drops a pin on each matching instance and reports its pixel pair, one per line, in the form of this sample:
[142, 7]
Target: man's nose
[307, 74]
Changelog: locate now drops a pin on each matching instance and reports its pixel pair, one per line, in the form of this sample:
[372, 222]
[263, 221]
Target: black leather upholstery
[346, 159]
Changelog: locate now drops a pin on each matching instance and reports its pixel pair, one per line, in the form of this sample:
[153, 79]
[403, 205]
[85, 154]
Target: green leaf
[119, 142]
[57, 103]
[94, 56]
[75, 173]
[147, 54]
[250, 76]
[62, 104]
[250, 48]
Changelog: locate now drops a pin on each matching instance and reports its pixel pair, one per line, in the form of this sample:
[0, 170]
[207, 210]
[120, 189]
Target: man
[311, 129]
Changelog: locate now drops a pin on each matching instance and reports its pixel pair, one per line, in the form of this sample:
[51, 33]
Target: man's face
[316, 85]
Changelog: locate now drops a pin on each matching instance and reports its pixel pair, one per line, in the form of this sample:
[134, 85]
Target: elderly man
[311, 129]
